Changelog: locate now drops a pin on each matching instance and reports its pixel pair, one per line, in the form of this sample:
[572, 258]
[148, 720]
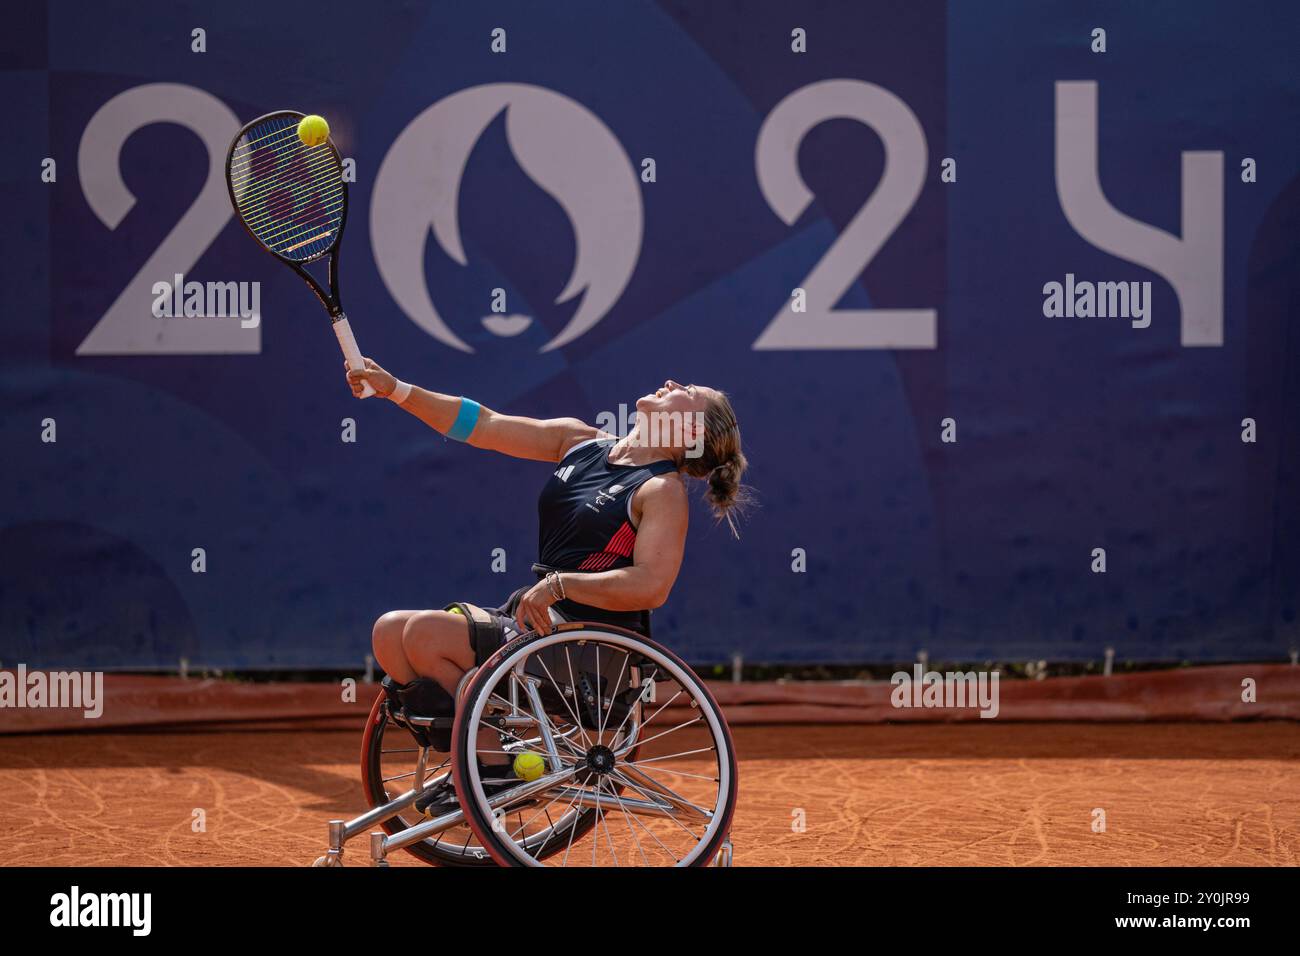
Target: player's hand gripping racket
[292, 199]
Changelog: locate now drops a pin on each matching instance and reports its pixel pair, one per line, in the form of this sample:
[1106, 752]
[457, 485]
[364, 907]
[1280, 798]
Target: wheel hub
[600, 760]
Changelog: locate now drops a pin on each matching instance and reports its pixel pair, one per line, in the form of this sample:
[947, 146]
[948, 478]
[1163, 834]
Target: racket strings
[256, 206]
[283, 239]
[272, 228]
[283, 206]
[281, 197]
[283, 135]
[272, 165]
[265, 154]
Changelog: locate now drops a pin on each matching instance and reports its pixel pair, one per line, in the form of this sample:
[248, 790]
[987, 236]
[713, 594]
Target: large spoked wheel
[620, 727]
[390, 757]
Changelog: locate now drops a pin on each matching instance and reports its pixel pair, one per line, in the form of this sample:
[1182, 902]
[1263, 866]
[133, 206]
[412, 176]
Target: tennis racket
[292, 199]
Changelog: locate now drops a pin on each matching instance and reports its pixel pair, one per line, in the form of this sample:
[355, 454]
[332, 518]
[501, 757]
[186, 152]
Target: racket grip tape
[348, 342]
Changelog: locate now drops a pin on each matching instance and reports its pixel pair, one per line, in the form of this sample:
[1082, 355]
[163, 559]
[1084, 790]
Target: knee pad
[485, 629]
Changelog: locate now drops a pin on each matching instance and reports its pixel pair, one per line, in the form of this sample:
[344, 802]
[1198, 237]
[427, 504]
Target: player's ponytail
[722, 463]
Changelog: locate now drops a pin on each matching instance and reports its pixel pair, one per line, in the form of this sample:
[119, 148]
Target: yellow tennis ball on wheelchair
[313, 130]
[529, 766]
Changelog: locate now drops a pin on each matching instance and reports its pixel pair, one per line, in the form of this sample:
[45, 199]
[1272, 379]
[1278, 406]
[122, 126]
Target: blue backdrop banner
[1004, 295]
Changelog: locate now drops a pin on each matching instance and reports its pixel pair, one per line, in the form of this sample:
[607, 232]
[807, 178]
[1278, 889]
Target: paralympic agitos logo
[418, 187]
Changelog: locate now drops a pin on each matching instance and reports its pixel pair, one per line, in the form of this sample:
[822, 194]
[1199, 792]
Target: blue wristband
[465, 421]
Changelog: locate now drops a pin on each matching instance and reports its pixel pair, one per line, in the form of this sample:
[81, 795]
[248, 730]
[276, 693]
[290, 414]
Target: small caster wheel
[327, 861]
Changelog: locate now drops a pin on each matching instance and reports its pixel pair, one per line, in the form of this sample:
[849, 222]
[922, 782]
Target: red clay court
[1185, 773]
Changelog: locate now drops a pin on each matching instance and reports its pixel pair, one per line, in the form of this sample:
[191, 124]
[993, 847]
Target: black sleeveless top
[585, 522]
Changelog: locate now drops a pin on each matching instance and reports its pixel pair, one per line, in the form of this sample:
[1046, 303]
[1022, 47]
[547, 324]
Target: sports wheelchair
[636, 768]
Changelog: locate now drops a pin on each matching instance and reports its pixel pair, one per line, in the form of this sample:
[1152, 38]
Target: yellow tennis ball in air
[313, 130]
[529, 766]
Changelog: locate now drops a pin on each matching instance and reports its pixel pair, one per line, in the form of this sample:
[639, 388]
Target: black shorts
[484, 640]
[504, 617]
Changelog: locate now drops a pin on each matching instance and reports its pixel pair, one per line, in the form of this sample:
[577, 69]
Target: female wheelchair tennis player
[565, 733]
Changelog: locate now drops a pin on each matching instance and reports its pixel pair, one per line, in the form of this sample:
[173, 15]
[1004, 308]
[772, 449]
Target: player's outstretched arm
[532, 438]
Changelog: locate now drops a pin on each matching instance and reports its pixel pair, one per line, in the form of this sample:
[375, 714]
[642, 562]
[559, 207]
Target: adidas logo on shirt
[564, 473]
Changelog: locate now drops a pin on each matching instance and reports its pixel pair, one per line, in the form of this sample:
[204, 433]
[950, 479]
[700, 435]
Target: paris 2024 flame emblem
[561, 145]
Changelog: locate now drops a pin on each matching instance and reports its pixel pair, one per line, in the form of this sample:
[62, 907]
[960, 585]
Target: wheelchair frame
[655, 799]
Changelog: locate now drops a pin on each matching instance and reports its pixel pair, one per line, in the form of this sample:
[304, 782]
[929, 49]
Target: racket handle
[348, 342]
